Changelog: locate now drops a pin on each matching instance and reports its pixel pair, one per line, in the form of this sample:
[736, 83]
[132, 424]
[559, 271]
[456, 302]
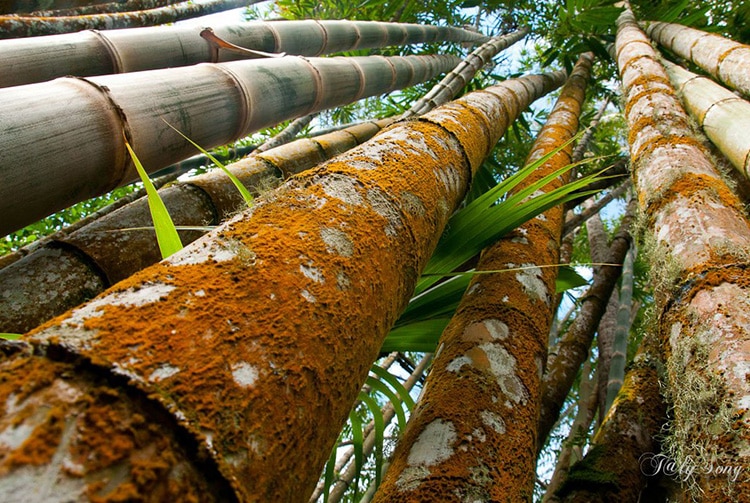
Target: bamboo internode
[213, 104]
[87, 53]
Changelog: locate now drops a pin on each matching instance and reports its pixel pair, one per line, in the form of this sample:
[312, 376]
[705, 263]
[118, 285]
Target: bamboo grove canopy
[228, 370]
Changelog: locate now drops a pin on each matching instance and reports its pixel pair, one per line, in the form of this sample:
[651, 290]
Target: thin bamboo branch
[29, 26]
[577, 220]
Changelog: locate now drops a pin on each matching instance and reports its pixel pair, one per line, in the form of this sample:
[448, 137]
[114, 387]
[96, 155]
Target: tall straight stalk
[103, 52]
[212, 104]
[702, 300]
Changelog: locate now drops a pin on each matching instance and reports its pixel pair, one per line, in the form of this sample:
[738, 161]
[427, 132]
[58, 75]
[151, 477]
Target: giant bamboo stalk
[720, 57]
[254, 339]
[723, 116]
[99, 8]
[26, 6]
[89, 53]
[482, 395]
[213, 104]
[31, 26]
[702, 302]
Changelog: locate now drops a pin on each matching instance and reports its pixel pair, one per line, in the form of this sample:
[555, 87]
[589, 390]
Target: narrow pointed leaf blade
[166, 233]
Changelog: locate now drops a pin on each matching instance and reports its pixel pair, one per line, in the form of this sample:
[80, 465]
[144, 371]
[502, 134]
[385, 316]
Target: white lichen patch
[200, 293]
[496, 328]
[485, 331]
[474, 288]
[383, 147]
[244, 374]
[492, 420]
[503, 367]
[13, 437]
[449, 177]
[380, 203]
[205, 249]
[337, 241]
[411, 477]
[163, 371]
[434, 444]
[343, 188]
[342, 281]
[530, 278]
[308, 296]
[412, 204]
[456, 364]
[312, 273]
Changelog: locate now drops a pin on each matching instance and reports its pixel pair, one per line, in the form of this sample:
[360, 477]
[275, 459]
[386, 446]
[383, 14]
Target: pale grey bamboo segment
[622, 332]
[83, 122]
[724, 117]
[92, 52]
[452, 83]
[722, 58]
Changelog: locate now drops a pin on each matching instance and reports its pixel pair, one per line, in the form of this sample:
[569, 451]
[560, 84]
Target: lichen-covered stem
[574, 345]
[257, 337]
[724, 59]
[624, 450]
[472, 437]
[700, 228]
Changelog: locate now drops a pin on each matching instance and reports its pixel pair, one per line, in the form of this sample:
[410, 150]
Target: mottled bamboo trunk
[722, 58]
[88, 53]
[257, 338]
[703, 298]
[472, 435]
[213, 104]
[574, 346]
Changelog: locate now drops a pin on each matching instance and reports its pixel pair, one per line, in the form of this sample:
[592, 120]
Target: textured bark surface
[103, 52]
[68, 271]
[624, 451]
[258, 337]
[722, 58]
[471, 437]
[86, 154]
[702, 238]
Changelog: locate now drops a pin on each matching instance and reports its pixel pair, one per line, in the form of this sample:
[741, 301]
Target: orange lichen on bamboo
[65, 437]
[472, 434]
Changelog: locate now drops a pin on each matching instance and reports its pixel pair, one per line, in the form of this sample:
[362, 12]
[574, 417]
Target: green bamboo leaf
[328, 477]
[9, 336]
[236, 181]
[357, 441]
[568, 278]
[395, 384]
[398, 404]
[166, 233]
[420, 336]
[440, 301]
[379, 422]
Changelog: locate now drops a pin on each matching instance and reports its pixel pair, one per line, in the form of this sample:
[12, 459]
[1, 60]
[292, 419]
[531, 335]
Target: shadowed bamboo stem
[30, 26]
